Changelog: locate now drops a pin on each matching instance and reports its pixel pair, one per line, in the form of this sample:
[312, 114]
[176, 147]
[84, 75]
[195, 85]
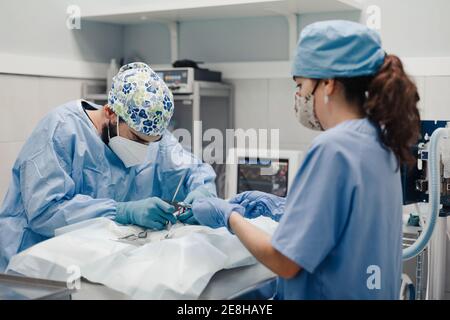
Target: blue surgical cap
[337, 48]
[141, 98]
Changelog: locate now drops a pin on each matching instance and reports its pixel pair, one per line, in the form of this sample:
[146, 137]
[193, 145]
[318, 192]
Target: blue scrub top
[343, 219]
[66, 174]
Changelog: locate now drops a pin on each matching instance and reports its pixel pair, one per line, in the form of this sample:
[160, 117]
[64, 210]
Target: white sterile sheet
[169, 264]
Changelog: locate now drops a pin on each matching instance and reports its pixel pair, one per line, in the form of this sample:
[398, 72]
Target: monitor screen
[252, 176]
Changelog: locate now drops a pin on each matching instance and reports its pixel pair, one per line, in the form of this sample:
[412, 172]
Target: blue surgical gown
[343, 219]
[65, 174]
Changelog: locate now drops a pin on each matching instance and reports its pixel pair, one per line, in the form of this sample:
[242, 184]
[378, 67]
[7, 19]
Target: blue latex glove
[257, 203]
[196, 194]
[152, 213]
[215, 212]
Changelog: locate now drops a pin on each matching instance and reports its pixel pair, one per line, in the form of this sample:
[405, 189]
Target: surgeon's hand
[196, 194]
[257, 203]
[152, 213]
[215, 212]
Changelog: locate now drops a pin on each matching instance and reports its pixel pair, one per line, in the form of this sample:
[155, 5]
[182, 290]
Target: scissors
[133, 238]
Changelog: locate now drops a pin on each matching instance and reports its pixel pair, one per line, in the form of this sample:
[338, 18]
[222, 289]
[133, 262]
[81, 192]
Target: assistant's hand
[257, 203]
[215, 212]
[198, 193]
[152, 213]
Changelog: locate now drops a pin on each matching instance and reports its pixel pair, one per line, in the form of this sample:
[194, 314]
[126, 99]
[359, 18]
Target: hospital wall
[38, 29]
[410, 28]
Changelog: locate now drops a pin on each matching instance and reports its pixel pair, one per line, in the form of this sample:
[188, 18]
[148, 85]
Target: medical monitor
[250, 169]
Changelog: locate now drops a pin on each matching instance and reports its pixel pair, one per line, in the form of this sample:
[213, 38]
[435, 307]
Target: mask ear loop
[326, 99]
[312, 94]
[308, 96]
[109, 132]
[315, 87]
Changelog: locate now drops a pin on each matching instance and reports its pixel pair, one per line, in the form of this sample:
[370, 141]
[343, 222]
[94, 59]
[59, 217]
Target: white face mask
[131, 153]
[304, 110]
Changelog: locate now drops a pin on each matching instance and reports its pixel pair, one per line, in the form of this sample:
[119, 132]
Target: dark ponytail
[389, 99]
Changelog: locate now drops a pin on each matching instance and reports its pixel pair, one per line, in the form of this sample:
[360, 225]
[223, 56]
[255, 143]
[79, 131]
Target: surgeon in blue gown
[84, 161]
[340, 227]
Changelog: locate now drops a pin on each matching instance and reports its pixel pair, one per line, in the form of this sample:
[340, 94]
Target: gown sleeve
[48, 192]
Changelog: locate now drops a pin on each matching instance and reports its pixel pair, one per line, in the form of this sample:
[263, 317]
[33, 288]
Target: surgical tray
[14, 287]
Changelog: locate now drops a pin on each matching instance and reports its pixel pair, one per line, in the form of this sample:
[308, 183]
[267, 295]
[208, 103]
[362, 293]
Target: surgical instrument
[179, 206]
[140, 235]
